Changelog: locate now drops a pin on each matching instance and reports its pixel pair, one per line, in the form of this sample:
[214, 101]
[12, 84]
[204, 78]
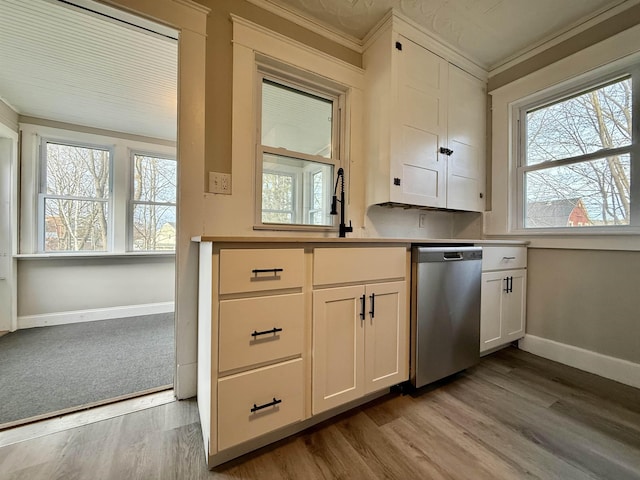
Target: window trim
[565, 90]
[131, 203]
[313, 85]
[42, 195]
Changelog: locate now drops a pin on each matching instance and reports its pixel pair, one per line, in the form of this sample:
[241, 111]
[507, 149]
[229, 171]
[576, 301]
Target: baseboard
[77, 316]
[612, 368]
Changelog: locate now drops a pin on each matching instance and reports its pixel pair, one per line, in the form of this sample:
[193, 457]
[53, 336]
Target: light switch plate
[220, 183]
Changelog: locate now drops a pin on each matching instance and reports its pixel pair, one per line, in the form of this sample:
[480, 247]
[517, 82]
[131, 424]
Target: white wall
[54, 290]
[8, 117]
[234, 214]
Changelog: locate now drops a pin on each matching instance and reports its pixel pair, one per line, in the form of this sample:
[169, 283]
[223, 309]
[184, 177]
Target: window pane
[154, 179]
[584, 194]
[277, 197]
[580, 125]
[296, 191]
[154, 228]
[75, 225]
[77, 171]
[295, 120]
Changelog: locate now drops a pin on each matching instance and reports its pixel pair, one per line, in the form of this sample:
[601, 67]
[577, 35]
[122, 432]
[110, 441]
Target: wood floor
[513, 416]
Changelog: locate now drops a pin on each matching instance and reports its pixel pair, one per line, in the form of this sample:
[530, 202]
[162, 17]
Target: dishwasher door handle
[452, 255]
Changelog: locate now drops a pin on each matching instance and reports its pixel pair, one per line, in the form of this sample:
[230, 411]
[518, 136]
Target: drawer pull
[266, 332]
[508, 258]
[275, 271]
[266, 405]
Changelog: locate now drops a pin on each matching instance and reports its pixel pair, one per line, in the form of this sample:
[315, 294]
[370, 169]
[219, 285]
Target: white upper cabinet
[466, 132]
[420, 127]
[425, 126]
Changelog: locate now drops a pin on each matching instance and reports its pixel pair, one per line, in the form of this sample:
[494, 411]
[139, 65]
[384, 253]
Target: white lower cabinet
[258, 401]
[360, 342]
[338, 347]
[503, 301]
[260, 318]
[286, 332]
[261, 329]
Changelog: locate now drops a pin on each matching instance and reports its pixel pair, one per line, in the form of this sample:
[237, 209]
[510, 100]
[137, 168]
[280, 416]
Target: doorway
[100, 302]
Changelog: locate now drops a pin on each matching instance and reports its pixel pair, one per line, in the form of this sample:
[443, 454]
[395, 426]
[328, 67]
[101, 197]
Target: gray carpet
[48, 369]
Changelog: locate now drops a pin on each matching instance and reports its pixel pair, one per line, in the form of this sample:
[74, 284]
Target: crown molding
[570, 31]
[311, 24]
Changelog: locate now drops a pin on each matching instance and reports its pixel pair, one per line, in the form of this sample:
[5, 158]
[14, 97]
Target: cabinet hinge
[398, 45]
[396, 181]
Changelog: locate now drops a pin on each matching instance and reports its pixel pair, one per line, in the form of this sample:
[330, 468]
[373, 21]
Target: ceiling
[68, 64]
[488, 32]
[63, 63]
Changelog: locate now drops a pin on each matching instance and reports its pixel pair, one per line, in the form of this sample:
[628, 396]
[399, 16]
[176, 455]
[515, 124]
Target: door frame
[190, 19]
[8, 231]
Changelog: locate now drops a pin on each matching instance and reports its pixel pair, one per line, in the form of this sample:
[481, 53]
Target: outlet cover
[220, 183]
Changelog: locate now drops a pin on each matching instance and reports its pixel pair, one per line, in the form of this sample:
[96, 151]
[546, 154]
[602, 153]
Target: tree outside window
[153, 203]
[75, 197]
[577, 164]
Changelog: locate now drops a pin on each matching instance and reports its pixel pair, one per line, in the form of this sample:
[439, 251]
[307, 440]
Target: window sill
[623, 241]
[86, 255]
[577, 231]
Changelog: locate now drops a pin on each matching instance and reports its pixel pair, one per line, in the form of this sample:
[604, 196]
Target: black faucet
[334, 203]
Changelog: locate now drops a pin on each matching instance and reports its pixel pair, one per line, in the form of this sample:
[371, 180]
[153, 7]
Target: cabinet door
[386, 336]
[513, 306]
[502, 318]
[338, 347]
[493, 285]
[467, 139]
[420, 128]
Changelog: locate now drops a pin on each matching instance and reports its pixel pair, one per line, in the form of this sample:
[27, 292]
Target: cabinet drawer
[350, 265]
[240, 397]
[502, 258]
[243, 327]
[256, 270]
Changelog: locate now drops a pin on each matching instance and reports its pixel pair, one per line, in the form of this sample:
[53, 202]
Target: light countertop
[350, 240]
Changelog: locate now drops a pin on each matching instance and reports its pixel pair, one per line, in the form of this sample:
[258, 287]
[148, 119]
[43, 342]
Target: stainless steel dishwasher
[445, 311]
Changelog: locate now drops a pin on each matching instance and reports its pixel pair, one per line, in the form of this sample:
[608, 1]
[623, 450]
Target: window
[75, 197]
[153, 203]
[298, 153]
[577, 150]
